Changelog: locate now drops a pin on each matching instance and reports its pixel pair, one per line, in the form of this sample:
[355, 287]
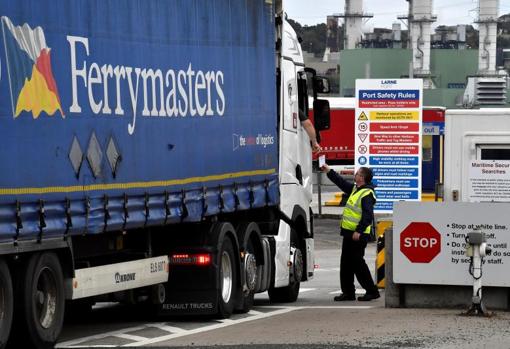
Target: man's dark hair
[367, 174]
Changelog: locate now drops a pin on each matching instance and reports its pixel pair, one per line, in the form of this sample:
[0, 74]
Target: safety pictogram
[362, 136]
[363, 127]
[363, 116]
[362, 149]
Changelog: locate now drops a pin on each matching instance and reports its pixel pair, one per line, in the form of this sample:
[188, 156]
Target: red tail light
[202, 259]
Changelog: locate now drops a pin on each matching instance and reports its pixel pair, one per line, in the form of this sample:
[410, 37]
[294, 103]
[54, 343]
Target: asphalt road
[314, 321]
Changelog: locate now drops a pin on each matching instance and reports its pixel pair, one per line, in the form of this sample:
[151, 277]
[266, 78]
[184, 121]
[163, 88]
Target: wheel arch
[250, 231]
[219, 232]
[300, 226]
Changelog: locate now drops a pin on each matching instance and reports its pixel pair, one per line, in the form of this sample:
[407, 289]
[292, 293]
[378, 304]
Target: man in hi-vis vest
[355, 228]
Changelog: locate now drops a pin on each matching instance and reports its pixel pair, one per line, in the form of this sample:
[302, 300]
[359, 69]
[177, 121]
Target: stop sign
[420, 242]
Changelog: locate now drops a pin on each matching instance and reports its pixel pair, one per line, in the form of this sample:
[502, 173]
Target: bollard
[379, 262]
[381, 254]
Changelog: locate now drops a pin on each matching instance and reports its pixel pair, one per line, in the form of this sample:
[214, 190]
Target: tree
[313, 37]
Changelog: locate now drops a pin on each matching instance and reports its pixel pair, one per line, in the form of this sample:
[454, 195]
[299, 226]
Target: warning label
[394, 127]
[395, 115]
[394, 138]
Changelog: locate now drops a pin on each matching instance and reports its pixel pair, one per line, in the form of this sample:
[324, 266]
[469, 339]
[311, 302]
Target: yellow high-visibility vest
[352, 209]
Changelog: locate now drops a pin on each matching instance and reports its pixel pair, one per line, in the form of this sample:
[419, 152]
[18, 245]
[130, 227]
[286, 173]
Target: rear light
[202, 259]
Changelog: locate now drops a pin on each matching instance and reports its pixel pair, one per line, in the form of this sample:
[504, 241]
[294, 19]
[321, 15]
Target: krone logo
[119, 278]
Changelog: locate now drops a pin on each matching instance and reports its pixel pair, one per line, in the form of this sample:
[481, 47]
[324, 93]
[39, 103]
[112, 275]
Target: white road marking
[359, 291]
[176, 332]
[254, 312]
[94, 346]
[303, 290]
[327, 269]
[210, 327]
[167, 328]
[131, 337]
[73, 342]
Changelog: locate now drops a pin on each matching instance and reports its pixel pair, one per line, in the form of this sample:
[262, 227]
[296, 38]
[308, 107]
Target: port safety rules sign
[388, 137]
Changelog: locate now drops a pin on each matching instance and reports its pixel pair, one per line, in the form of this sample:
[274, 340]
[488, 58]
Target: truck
[338, 140]
[152, 155]
[476, 155]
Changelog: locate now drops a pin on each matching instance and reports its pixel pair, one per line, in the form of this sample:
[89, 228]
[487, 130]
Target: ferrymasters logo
[33, 87]
[170, 93]
[107, 89]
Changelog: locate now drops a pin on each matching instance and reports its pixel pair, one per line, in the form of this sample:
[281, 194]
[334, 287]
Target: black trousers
[352, 262]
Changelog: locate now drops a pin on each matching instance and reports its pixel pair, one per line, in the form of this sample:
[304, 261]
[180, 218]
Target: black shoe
[369, 296]
[344, 297]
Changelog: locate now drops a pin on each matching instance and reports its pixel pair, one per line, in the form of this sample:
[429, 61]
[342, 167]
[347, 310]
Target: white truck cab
[295, 82]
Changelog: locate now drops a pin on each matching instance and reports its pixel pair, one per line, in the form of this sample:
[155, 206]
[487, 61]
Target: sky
[449, 12]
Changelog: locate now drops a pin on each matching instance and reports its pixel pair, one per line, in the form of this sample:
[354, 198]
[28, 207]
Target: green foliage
[314, 37]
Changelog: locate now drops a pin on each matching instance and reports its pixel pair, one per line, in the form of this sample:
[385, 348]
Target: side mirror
[321, 114]
[321, 84]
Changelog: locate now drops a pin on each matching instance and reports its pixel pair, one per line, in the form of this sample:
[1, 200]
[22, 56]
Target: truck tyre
[290, 292]
[6, 303]
[247, 296]
[247, 233]
[41, 302]
[227, 280]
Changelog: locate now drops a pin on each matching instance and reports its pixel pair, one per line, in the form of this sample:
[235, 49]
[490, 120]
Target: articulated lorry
[152, 153]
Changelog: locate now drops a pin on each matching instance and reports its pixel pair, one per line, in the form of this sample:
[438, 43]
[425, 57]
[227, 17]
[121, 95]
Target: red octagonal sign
[420, 242]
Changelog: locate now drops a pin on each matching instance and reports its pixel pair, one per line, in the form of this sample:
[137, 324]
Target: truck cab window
[302, 96]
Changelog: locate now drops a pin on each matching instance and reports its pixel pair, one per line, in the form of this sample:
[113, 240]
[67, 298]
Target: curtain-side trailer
[152, 153]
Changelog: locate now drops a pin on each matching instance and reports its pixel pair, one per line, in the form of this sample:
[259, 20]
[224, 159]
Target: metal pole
[319, 196]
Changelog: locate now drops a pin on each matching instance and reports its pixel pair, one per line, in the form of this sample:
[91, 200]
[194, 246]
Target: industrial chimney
[397, 35]
[487, 26]
[489, 87]
[353, 23]
[420, 27]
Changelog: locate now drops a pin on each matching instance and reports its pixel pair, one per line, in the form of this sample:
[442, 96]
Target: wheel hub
[226, 277]
[297, 265]
[250, 270]
[45, 298]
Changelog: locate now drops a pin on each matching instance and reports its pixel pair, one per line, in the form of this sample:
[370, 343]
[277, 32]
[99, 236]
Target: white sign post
[429, 242]
[388, 137]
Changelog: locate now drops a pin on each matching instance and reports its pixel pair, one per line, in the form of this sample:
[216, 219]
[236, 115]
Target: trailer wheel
[250, 271]
[6, 303]
[42, 300]
[290, 292]
[228, 280]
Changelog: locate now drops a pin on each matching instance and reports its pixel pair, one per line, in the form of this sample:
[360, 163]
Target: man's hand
[325, 168]
[316, 148]
[356, 236]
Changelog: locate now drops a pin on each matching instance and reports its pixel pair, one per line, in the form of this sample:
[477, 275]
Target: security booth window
[493, 152]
